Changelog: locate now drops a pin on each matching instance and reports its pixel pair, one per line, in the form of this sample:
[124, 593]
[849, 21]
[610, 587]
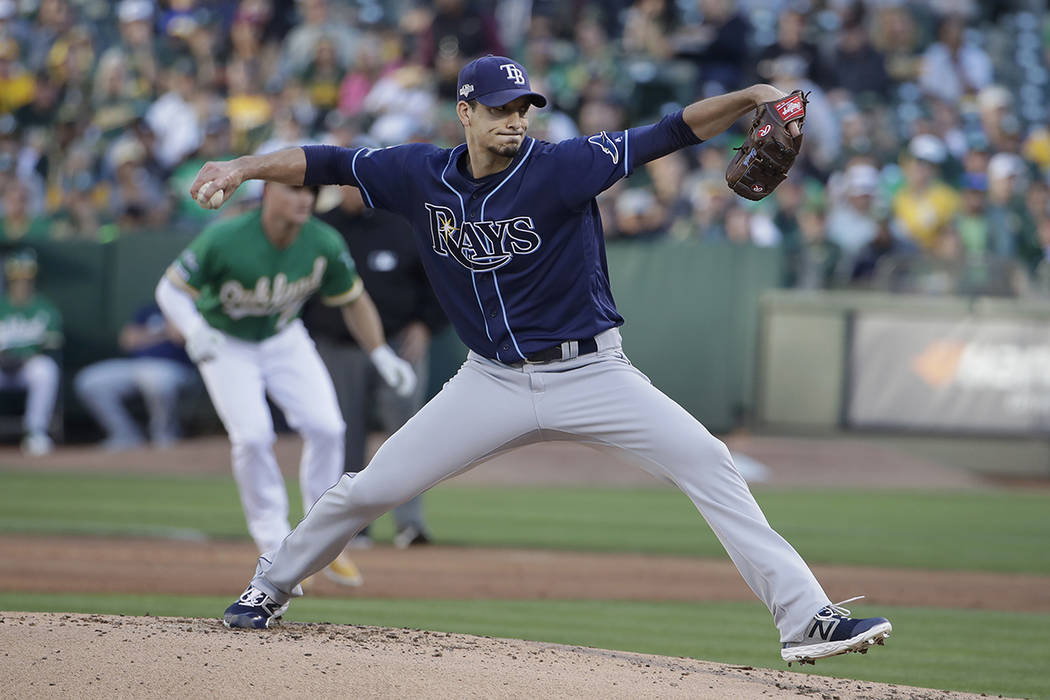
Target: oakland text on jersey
[265, 298]
[22, 331]
[480, 245]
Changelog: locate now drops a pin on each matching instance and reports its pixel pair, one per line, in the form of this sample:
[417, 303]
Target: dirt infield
[93, 656]
[102, 657]
[785, 462]
[62, 564]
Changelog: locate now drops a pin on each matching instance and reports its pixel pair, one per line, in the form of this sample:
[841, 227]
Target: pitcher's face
[500, 130]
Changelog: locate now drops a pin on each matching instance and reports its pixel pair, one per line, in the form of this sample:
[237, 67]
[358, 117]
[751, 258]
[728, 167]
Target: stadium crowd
[925, 168]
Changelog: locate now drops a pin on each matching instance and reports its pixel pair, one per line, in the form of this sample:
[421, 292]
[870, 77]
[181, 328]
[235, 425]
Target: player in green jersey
[30, 326]
[235, 294]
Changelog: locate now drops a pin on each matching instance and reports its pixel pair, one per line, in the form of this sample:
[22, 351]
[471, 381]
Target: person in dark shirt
[791, 45]
[156, 366]
[857, 63]
[382, 247]
[718, 46]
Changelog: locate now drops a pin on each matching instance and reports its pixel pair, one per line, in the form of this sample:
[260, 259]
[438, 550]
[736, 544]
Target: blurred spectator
[924, 205]
[246, 40]
[817, 262]
[647, 25]
[789, 198]
[791, 45]
[999, 124]
[17, 223]
[1041, 273]
[639, 215]
[402, 103]
[16, 82]
[856, 64]
[667, 175]
[852, 222]
[972, 222]
[954, 67]
[42, 109]
[369, 65]
[76, 195]
[173, 117]
[738, 225]
[318, 24]
[1008, 221]
[156, 367]
[1036, 149]
[71, 62]
[138, 200]
[868, 268]
[114, 103]
[10, 25]
[943, 271]
[247, 106]
[718, 45]
[322, 77]
[459, 28]
[593, 73]
[54, 18]
[896, 36]
[136, 48]
[30, 328]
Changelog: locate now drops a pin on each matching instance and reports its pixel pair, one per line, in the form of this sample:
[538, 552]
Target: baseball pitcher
[512, 242]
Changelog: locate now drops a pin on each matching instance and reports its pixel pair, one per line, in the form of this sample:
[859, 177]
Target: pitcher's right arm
[287, 166]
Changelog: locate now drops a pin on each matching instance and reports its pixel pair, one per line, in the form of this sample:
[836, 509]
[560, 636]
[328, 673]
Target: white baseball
[216, 200]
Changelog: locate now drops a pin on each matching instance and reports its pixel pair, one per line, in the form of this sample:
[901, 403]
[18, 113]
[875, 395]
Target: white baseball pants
[39, 376]
[285, 366]
[600, 398]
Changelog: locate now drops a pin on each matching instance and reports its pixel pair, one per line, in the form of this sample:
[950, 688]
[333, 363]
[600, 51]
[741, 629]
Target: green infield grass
[993, 530]
[967, 650]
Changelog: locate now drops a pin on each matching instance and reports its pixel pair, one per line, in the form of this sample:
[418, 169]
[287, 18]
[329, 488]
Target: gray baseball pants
[488, 408]
[359, 388]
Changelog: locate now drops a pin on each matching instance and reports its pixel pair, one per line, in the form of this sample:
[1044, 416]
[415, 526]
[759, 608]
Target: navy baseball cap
[494, 81]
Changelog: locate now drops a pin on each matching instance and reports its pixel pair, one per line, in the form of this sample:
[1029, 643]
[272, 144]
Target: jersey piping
[626, 152]
[463, 215]
[495, 278]
[353, 169]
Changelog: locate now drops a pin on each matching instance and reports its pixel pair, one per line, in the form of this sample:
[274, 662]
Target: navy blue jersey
[516, 258]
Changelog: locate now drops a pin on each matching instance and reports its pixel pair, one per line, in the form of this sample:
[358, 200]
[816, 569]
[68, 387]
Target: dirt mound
[100, 656]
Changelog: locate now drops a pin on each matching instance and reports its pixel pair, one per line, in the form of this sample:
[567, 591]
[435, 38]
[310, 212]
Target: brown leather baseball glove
[769, 150]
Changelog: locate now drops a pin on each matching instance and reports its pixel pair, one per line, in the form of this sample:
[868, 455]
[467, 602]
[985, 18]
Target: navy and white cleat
[255, 609]
[834, 632]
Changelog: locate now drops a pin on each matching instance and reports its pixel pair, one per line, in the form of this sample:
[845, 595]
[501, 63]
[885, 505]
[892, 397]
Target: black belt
[586, 346]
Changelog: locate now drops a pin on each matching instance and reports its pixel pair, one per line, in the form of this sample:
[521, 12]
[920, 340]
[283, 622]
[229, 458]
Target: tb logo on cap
[514, 73]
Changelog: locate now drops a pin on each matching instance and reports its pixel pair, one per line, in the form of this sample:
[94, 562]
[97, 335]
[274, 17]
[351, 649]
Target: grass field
[1003, 531]
[977, 651]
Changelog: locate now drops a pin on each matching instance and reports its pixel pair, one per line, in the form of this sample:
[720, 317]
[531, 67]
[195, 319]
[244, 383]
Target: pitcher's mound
[104, 656]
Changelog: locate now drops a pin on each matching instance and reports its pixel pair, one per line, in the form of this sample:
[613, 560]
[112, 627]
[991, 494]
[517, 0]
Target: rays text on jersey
[480, 245]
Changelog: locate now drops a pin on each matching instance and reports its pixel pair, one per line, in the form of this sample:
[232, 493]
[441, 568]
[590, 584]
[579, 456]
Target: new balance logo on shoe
[833, 632]
[824, 628]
